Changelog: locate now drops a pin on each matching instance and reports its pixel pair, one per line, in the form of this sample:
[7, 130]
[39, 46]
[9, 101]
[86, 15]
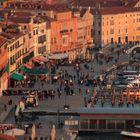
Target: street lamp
[66, 107]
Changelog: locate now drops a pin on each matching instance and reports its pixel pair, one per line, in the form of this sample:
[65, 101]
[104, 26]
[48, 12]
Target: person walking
[5, 107]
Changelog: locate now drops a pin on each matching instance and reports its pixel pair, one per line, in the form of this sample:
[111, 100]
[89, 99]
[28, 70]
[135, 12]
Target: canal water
[108, 136]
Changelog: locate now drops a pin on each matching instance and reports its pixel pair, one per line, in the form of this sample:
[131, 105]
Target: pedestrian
[10, 102]
[16, 119]
[79, 90]
[34, 102]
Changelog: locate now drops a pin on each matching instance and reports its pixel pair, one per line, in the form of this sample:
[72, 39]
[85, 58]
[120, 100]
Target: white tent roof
[59, 56]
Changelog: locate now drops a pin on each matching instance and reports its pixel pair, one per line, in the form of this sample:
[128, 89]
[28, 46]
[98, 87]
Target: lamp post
[66, 107]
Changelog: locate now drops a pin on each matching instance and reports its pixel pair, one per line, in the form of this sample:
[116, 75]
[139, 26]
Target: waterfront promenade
[75, 101]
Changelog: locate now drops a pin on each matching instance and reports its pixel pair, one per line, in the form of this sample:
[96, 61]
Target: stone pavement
[74, 101]
[4, 101]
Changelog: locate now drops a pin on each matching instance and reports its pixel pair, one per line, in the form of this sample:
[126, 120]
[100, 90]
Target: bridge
[132, 48]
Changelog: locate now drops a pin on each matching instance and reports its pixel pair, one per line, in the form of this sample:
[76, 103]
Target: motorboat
[135, 134]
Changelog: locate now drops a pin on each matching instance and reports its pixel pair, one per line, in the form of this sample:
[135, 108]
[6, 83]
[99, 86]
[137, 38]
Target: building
[84, 30]
[119, 25]
[35, 27]
[15, 46]
[4, 66]
[107, 119]
[63, 33]
[39, 35]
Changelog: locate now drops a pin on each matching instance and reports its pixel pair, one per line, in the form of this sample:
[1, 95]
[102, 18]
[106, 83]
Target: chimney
[98, 5]
[50, 2]
[89, 8]
[80, 8]
[5, 16]
[31, 20]
[125, 3]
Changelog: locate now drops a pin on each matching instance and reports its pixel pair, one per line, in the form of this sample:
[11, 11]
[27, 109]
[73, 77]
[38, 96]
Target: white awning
[59, 56]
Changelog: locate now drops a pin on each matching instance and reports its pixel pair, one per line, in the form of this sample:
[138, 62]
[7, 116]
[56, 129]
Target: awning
[59, 56]
[23, 68]
[37, 71]
[28, 66]
[39, 59]
[34, 70]
[16, 76]
[36, 60]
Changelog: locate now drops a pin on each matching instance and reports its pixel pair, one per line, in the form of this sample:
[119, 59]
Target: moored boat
[135, 134]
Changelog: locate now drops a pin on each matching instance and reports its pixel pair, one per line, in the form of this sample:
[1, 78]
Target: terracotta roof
[93, 3]
[11, 35]
[46, 18]
[117, 10]
[2, 12]
[22, 14]
[132, 3]
[103, 3]
[38, 6]
[2, 41]
[19, 19]
[82, 12]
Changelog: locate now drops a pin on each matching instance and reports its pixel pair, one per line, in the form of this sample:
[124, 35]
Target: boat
[135, 134]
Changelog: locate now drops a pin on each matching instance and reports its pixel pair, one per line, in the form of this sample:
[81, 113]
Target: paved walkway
[4, 101]
[74, 101]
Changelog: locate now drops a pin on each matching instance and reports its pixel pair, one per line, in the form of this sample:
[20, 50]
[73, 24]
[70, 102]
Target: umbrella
[15, 132]
[33, 135]
[53, 133]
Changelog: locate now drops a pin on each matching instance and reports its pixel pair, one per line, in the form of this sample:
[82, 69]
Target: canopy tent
[34, 70]
[59, 56]
[16, 76]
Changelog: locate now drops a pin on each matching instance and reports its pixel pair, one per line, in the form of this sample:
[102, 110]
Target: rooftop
[109, 110]
[117, 10]
[104, 3]
[2, 40]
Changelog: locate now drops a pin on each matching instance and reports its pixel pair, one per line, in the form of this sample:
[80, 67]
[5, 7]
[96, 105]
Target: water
[108, 136]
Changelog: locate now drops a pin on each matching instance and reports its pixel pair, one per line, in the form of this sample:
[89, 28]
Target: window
[126, 39]
[107, 22]
[112, 31]
[64, 26]
[34, 32]
[42, 39]
[112, 22]
[112, 41]
[11, 60]
[13, 46]
[126, 30]
[119, 31]
[10, 48]
[65, 40]
[30, 35]
[102, 23]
